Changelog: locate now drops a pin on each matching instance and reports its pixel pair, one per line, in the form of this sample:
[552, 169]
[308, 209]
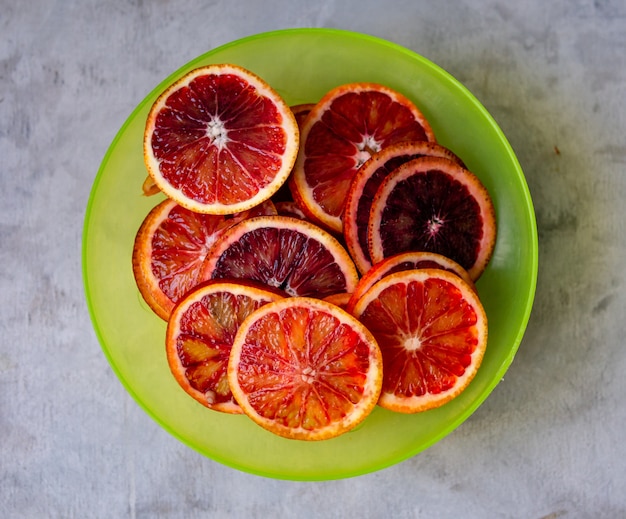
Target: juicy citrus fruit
[405, 261]
[305, 369]
[287, 253]
[170, 247]
[433, 204]
[220, 140]
[363, 189]
[432, 331]
[342, 131]
[200, 335]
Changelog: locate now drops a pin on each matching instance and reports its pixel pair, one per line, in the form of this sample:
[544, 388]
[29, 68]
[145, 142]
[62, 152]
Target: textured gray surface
[547, 443]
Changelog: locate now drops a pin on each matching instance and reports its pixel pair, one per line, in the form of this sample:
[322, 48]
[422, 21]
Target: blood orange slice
[405, 261]
[287, 253]
[200, 334]
[170, 247]
[220, 140]
[433, 204]
[305, 369]
[366, 182]
[342, 131]
[432, 331]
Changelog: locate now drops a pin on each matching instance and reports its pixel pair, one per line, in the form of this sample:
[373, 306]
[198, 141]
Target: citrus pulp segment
[405, 261]
[433, 204]
[364, 185]
[432, 331]
[200, 334]
[220, 140]
[285, 252]
[170, 247]
[349, 124]
[305, 369]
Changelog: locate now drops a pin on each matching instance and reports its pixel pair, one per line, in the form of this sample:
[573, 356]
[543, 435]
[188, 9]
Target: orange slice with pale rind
[220, 140]
[432, 330]
[305, 369]
[199, 337]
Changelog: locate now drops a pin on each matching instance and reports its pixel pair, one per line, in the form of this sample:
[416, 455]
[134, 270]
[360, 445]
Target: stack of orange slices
[311, 261]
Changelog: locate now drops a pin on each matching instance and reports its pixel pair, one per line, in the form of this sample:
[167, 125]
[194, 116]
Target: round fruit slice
[405, 261]
[366, 182]
[433, 204]
[432, 331]
[287, 253]
[305, 369]
[220, 140]
[170, 247]
[344, 129]
[200, 334]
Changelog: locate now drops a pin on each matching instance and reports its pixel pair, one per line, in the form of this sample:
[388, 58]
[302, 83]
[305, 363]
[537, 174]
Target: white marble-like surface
[549, 441]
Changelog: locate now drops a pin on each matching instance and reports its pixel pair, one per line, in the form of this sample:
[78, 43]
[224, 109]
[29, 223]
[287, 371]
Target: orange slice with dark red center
[432, 204]
[220, 140]
[284, 252]
[366, 182]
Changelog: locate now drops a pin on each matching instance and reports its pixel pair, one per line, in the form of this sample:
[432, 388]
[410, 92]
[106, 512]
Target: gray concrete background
[549, 441]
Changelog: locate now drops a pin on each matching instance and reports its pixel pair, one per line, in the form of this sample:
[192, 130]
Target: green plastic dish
[302, 64]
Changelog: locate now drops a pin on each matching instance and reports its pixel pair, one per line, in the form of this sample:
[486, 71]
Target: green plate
[302, 64]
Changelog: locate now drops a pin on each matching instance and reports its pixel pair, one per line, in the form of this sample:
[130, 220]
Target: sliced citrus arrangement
[366, 182]
[287, 253]
[432, 330]
[170, 247]
[220, 140]
[405, 261]
[305, 369]
[200, 334]
[433, 204]
[265, 311]
[342, 131]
